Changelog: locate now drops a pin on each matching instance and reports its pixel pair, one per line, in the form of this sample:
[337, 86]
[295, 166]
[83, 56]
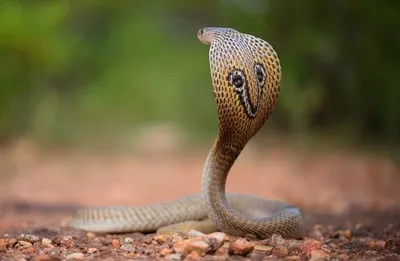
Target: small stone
[343, 235]
[276, 240]
[67, 242]
[128, 240]
[393, 245]
[90, 235]
[215, 240]
[177, 237]
[293, 245]
[318, 255]
[7, 242]
[187, 246]
[128, 247]
[257, 256]
[193, 256]
[347, 233]
[359, 226]
[47, 242]
[343, 257]
[165, 252]
[264, 248]
[56, 240]
[280, 251]
[147, 239]
[28, 238]
[161, 239]
[31, 250]
[25, 243]
[105, 241]
[92, 250]
[45, 258]
[115, 243]
[174, 257]
[75, 256]
[241, 247]
[222, 252]
[310, 245]
[375, 245]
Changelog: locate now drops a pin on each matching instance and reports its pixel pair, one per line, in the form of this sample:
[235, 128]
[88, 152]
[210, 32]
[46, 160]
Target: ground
[350, 200]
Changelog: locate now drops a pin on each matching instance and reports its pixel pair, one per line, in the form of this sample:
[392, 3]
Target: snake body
[246, 79]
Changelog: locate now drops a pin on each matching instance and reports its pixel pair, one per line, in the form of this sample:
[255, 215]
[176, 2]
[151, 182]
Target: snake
[246, 78]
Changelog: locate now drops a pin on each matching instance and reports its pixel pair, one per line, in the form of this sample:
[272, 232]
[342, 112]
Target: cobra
[246, 78]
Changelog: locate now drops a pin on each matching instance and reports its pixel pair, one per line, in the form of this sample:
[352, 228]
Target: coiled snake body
[246, 78]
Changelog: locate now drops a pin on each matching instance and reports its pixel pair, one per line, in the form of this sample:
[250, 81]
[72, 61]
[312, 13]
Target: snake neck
[217, 166]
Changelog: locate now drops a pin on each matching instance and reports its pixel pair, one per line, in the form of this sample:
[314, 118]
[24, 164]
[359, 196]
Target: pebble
[241, 247]
[7, 242]
[393, 245]
[47, 242]
[193, 256]
[161, 239]
[222, 253]
[280, 251]
[128, 240]
[25, 243]
[318, 255]
[187, 246]
[92, 250]
[174, 257]
[343, 257]
[177, 237]
[90, 235]
[215, 240]
[28, 238]
[257, 256]
[206, 244]
[376, 245]
[115, 243]
[343, 235]
[45, 258]
[165, 252]
[276, 240]
[31, 250]
[67, 242]
[128, 247]
[293, 245]
[75, 256]
[263, 248]
[56, 240]
[309, 245]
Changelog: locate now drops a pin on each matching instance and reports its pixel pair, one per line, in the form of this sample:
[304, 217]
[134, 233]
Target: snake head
[206, 34]
[246, 78]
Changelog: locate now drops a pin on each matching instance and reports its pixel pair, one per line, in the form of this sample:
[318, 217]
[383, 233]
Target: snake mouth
[202, 37]
[200, 33]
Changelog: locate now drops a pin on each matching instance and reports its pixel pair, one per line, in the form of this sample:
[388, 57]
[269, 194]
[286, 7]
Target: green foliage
[88, 71]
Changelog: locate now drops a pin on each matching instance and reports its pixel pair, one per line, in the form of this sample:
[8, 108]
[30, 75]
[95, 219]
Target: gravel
[356, 235]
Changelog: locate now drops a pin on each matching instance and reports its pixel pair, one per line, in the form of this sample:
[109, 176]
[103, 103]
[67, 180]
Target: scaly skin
[246, 78]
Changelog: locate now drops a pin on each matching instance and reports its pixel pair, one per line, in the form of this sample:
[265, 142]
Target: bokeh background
[110, 102]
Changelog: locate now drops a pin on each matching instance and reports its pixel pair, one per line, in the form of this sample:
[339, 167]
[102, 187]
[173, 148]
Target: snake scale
[246, 79]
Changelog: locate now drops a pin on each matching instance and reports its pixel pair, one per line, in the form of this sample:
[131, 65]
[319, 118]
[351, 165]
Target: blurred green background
[90, 72]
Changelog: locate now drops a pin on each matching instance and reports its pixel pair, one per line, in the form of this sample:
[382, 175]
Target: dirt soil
[350, 200]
